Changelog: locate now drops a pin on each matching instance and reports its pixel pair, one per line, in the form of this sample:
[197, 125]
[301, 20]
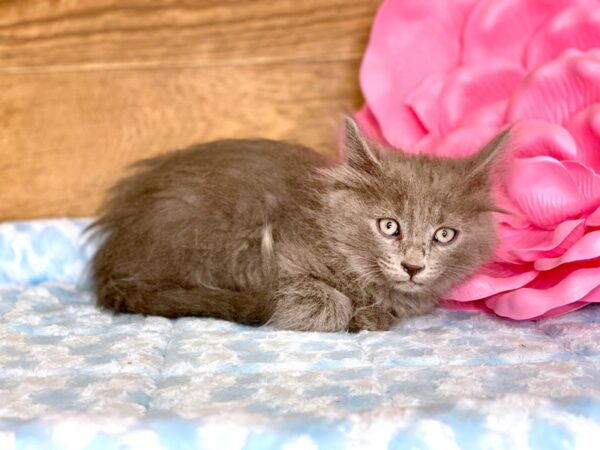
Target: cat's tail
[176, 301]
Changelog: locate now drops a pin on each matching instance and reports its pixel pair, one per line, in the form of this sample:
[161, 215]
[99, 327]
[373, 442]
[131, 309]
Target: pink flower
[443, 77]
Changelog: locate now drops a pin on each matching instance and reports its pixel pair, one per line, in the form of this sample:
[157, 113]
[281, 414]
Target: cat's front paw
[371, 318]
[310, 305]
[404, 306]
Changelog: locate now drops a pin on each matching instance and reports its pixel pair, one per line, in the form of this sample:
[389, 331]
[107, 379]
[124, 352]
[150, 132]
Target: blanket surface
[75, 377]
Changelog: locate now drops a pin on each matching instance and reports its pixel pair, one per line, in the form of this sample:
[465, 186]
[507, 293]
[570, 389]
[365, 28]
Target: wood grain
[88, 87]
[57, 35]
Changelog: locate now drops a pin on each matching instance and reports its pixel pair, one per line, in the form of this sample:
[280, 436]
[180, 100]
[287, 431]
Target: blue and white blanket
[74, 377]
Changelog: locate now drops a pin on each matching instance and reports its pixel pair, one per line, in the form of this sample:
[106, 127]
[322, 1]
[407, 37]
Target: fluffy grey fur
[259, 231]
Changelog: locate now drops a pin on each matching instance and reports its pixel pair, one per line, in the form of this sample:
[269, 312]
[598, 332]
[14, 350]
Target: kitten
[260, 231]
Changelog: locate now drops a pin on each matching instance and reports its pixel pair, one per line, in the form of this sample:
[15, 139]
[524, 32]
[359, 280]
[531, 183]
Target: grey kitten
[260, 231]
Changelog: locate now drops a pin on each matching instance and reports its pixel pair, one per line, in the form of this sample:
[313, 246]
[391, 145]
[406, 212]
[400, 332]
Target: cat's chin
[408, 287]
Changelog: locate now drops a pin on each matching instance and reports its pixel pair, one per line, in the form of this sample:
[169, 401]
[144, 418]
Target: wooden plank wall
[88, 86]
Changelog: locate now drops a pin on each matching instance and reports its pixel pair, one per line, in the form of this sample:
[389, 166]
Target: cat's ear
[360, 155]
[489, 157]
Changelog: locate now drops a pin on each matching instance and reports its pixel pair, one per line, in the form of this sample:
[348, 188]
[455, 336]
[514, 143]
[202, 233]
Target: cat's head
[418, 224]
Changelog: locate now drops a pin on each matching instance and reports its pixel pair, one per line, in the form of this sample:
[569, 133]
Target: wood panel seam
[114, 67]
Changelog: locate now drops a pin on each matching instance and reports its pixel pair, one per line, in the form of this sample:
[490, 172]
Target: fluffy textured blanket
[74, 377]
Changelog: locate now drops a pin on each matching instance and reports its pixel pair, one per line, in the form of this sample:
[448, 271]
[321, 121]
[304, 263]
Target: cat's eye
[389, 227]
[445, 235]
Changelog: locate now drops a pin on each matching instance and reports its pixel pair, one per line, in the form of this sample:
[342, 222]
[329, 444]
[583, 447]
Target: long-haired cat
[260, 231]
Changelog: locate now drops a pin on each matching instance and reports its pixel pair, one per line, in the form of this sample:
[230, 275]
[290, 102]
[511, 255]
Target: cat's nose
[412, 269]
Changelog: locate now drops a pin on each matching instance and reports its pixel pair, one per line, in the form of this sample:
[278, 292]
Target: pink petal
[470, 88]
[564, 309]
[427, 144]
[535, 138]
[423, 101]
[588, 183]
[490, 280]
[369, 125]
[474, 306]
[543, 190]
[556, 289]
[585, 129]
[557, 90]
[501, 29]
[409, 41]
[459, 143]
[592, 297]
[528, 245]
[588, 247]
[490, 114]
[514, 218]
[574, 28]
[593, 219]
[442, 101]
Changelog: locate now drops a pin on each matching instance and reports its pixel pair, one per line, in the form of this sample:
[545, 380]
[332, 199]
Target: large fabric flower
[442, 78]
